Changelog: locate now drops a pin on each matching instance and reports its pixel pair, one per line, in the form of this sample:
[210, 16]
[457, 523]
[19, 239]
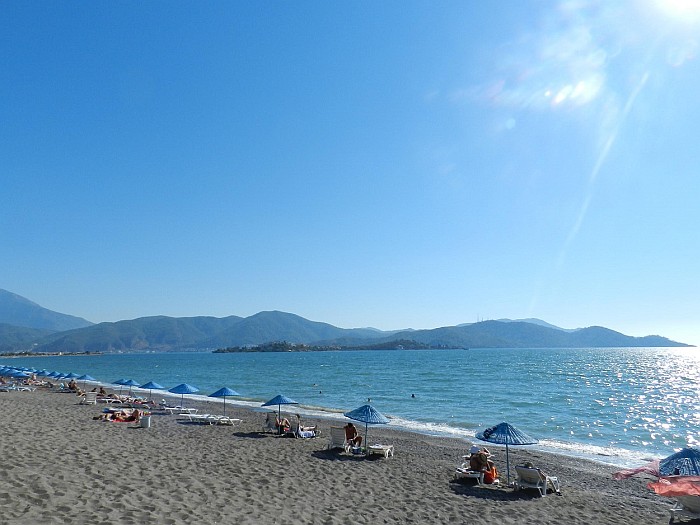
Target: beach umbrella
[151, 386]
[183, 389]
[279, 400]
[130, 383]
[42, 373]
[685, 462]
[85, 378]
[121, 383]
[224, 392]
[71, 375]
[368, 415]
[506, 434]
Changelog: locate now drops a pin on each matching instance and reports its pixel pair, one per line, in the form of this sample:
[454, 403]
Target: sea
[620, 406]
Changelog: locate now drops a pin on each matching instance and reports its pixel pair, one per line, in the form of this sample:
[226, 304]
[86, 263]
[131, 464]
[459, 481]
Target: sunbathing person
[303, 428]
[282, 424]
[479, 459]
[305, 432]
[120, 416]
[351, 435]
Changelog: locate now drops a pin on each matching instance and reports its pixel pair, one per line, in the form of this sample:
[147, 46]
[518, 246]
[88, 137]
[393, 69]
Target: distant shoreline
[45, 354]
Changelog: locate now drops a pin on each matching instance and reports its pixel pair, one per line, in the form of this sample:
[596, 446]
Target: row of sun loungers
[210, 419]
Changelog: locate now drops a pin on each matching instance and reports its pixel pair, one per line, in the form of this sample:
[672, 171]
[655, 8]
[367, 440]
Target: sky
[389, 164]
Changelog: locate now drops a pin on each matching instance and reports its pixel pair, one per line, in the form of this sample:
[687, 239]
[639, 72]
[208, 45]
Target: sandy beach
[61, 466]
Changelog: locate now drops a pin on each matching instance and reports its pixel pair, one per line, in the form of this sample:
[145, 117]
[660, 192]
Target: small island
[284, 346]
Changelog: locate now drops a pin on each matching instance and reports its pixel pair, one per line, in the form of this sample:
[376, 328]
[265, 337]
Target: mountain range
[27, 326]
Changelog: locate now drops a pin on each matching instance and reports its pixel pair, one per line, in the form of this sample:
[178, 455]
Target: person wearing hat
[479, 458]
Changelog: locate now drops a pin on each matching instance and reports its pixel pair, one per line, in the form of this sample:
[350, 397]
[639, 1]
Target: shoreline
[65, 467]
[574, 451]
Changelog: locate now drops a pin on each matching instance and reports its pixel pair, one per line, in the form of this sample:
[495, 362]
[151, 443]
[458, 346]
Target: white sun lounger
[534, 478]
[384, 450]
[337, 439]
[89, 399]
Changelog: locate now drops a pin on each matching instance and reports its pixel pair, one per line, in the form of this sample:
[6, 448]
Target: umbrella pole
[224, 405]
[366, 430]
[507, 465]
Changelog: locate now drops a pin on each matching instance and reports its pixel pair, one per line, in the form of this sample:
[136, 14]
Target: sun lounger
[305, 434]
[89, 399]
[17, 388]
[337, 439]
[534, 478]
[180, 410]
[196, 418]
[686, 507]
[225, 420]
[384, 450]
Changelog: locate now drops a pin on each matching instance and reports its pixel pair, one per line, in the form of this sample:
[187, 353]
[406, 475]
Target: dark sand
[61, 466]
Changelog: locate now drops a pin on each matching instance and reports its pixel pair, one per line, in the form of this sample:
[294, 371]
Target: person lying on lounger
[302, 428]
[120, 416]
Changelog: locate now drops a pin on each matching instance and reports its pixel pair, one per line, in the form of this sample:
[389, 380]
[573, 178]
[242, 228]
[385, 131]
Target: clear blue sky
[390, 164]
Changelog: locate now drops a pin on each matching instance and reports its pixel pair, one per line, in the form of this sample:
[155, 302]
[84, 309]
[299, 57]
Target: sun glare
[683, 10]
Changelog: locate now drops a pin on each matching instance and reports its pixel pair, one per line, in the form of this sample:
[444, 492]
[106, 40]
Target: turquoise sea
[616, 405]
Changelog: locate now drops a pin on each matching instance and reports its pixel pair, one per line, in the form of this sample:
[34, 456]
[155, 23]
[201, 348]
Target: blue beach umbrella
[183, 389]
[130, 383]
[120, 382]
[368, 415]
[685, 462]
[506, 434]
[85, 378]
[224, 392]
[71, 375]
[279, 400]
[42, 373]
[151, 386]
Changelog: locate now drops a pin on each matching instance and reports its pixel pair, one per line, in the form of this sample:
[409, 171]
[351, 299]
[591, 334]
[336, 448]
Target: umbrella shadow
[336, 455]
[251, 435]
[470, 488]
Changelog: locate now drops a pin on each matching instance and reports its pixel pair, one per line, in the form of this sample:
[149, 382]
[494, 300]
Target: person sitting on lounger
[351, 435]
[282, 424]
[479, 459]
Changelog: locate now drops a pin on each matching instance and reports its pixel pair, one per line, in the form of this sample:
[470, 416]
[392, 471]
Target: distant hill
[18, 311]
[521, 334]
[13, 337]
[538, 322]
[161, 333]
[187, 333]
